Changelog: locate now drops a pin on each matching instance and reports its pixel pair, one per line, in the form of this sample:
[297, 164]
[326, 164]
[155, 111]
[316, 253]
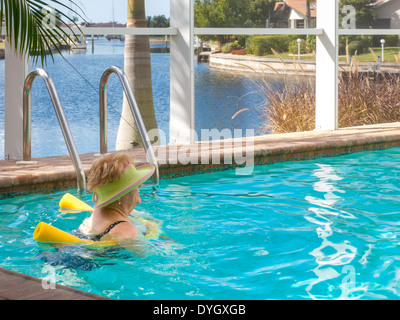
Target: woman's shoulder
[124, 230]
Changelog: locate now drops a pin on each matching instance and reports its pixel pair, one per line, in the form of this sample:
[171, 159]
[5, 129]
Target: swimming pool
[326, 228]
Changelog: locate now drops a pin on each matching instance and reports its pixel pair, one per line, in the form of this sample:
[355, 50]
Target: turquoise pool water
[319, 229]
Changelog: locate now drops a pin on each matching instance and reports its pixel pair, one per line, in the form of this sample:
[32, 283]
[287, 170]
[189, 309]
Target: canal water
[218, 96]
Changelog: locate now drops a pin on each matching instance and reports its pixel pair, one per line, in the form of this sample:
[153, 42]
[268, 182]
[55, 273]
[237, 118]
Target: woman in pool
[115, 182]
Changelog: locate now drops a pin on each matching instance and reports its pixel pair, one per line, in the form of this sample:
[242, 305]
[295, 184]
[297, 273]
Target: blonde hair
[107, 169]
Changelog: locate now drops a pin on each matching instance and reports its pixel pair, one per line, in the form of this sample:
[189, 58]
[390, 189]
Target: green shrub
[228, 47]
[311, 43]
[355, 46]
[359, 43]
[261, 45]
[342, 45]
[391, 40]
[243, 40]
[293, 46]
[296, 36]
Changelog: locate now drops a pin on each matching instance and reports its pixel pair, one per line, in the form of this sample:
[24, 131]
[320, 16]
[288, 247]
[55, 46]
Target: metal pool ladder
[150, 156]
[80, 173]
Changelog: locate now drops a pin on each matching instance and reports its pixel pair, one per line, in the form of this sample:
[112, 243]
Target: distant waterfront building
[293, 14]
[387, 14]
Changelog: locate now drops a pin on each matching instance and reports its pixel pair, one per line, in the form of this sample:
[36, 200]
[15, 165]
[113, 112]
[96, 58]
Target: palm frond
[26, 28]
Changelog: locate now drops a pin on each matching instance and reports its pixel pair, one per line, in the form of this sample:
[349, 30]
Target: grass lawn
[285, 55]
[390, 53]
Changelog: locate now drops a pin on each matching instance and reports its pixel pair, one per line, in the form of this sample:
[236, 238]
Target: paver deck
[17, 286]
[54, 172]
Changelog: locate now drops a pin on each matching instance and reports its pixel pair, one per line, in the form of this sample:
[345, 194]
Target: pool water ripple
[318, 229]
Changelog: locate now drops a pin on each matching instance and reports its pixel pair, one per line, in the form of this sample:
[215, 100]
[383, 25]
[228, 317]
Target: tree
[137, 67]
[365, 18]
[365, 14]
[308, 13]
[34, 26]
[231, 13]
[157, 22]
[259, 11]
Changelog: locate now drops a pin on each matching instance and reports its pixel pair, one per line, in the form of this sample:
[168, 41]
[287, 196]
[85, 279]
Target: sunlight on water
[320, 229]
[218, 96]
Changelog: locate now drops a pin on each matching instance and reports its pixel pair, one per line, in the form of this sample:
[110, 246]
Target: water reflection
[329, 254]
[218, 96]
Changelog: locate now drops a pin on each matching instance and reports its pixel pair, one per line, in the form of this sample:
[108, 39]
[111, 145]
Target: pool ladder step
[80, 173]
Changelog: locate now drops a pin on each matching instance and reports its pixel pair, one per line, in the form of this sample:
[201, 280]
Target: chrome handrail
[150, 156]
[80, 173]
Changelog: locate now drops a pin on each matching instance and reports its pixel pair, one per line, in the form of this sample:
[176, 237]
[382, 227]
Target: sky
[102, 10]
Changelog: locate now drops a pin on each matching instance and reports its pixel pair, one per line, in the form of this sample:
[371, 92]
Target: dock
[204, 57]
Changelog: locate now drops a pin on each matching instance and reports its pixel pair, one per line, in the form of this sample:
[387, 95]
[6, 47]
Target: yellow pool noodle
[68, 201]
[48, 234]
[153, 230]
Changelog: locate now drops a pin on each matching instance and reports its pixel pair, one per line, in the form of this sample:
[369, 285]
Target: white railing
[369, 32]
[182, 34]
[123, 31]
[258, 31]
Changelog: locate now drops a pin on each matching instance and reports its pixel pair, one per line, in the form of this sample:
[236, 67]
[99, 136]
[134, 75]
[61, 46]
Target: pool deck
[17, 286]
[56, 172]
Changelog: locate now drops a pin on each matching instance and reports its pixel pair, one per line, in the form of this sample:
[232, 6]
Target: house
[293, 14]
[108, 25]
[279, 17]
[387, 14]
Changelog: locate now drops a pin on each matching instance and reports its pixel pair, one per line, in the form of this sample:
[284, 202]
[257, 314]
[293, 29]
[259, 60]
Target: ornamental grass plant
[364, 98]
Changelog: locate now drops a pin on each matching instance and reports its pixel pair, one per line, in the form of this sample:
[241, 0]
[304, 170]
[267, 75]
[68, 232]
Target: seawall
[249, 63]
[244, 63]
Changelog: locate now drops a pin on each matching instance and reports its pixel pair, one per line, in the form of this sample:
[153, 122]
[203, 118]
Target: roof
[279, 6]
[99, 25]
[379, 2]
[300, 6]
[280, 10]
[107, 25]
